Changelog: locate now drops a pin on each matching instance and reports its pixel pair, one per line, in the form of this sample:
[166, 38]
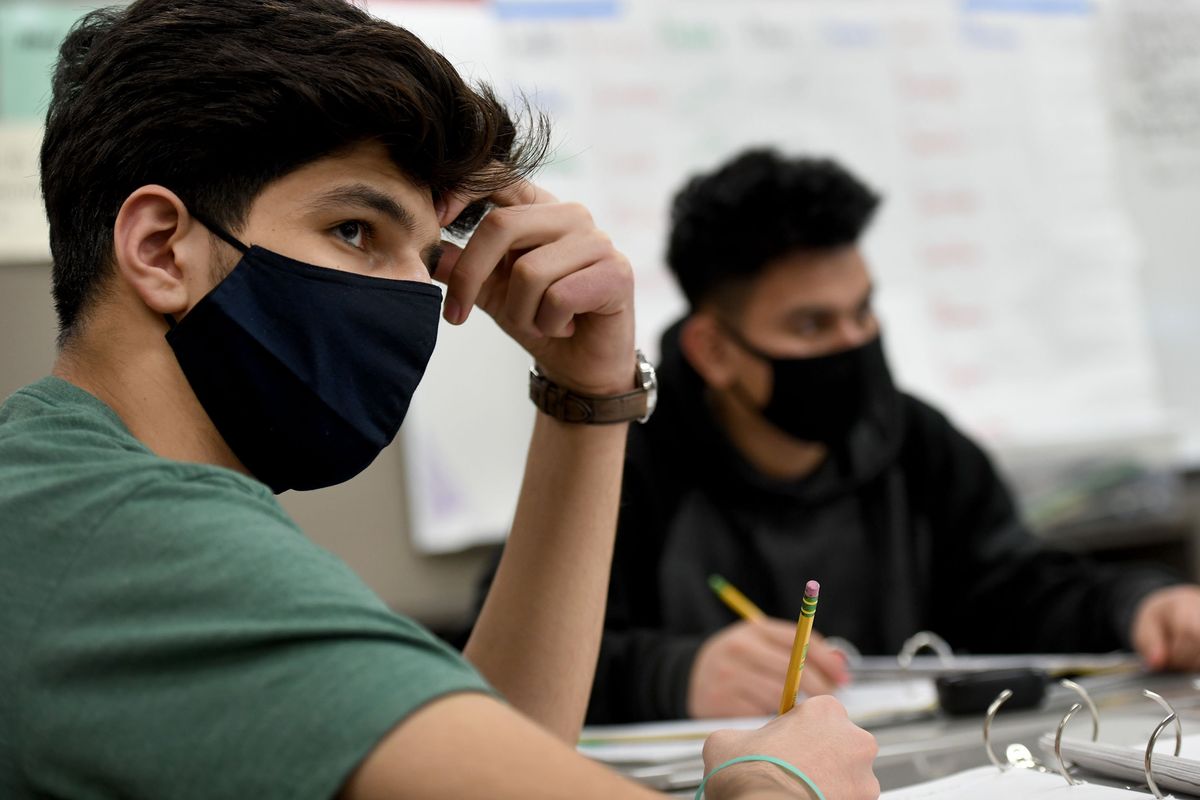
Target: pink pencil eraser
[812, 589]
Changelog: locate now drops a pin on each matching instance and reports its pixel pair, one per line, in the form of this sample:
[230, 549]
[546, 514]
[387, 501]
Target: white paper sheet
[866, 702]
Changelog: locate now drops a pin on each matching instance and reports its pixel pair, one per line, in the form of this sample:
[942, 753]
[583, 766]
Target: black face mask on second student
[821, 399]
[306, 372]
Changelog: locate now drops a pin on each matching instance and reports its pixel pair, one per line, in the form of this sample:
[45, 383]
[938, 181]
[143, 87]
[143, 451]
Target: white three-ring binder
[1071, 763]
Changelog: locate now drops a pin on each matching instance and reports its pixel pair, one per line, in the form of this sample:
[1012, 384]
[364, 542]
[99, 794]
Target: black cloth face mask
[821, 399]
[306, 372]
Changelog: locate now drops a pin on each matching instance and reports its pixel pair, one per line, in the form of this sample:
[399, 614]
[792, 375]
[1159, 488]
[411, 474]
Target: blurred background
[1035, 253]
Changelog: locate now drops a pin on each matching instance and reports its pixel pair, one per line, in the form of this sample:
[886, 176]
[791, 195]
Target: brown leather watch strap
[568, 406]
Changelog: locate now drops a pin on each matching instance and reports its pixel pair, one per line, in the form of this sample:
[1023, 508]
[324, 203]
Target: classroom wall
[363, 521]
[1032, 257]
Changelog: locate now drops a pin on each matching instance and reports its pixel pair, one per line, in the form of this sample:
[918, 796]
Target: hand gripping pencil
[804, 625]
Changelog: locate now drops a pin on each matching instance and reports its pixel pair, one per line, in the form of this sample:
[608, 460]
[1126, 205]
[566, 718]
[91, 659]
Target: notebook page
[989, 783]
[1126, 762]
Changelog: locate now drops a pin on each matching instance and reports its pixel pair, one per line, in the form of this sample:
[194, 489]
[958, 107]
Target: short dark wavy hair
[729, 224]
[215, 99]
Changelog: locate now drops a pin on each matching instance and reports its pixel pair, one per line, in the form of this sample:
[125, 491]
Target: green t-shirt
[166, 631]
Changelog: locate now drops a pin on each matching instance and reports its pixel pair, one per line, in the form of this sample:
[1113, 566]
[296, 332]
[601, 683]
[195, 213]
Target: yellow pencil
[738, 602]
[804, 626]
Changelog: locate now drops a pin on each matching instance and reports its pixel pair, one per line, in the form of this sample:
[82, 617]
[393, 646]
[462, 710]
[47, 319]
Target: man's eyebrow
[368, 197]
[804, 312]
[825, 310]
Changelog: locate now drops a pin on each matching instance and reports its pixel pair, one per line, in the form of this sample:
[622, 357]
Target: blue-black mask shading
[822, 398]
[306, 372]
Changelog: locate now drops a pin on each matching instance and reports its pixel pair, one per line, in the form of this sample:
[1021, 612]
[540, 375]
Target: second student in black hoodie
[782, 451]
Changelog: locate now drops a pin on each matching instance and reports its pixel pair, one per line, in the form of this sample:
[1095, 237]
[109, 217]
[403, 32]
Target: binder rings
[1071, 765]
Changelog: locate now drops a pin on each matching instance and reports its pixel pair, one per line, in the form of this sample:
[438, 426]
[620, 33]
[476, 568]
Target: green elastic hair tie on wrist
[779, 762]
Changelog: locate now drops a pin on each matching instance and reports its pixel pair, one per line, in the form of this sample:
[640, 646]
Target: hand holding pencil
[739, 669]
[817, 737]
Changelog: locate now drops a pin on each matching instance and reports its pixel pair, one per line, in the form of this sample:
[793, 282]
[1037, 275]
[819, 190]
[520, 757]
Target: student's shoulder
[221, 545]
[196, 508]
[198, 574]
[921, 412]
[195, 495]
[932, 442]
[924, 421]
[69, 467]
[137, 489]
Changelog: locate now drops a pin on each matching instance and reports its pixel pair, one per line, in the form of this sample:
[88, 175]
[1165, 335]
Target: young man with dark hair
[245, 201]
[782, 451]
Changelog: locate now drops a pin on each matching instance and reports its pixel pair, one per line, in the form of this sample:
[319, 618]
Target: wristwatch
[569, 406]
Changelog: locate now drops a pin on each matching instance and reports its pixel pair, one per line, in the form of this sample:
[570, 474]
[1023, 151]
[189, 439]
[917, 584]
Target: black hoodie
[907, 527]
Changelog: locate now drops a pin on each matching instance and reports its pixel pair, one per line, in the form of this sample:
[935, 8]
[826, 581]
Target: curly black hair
[729, 224]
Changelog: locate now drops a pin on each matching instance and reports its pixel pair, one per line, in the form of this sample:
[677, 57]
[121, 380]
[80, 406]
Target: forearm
[471, 747]
[538, 633]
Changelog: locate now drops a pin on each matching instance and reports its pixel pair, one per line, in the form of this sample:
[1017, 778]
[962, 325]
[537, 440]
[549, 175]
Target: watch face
[651, 400]
[649, 379]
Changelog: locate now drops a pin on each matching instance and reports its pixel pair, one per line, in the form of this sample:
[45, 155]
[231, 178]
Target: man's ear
[160, 251]
[708, 349]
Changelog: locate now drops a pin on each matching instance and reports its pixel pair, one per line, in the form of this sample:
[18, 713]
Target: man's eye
[810, 325]
[354, 233]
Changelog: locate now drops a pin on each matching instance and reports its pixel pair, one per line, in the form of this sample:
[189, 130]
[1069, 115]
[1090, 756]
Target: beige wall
[26, 325]
[363, 521]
